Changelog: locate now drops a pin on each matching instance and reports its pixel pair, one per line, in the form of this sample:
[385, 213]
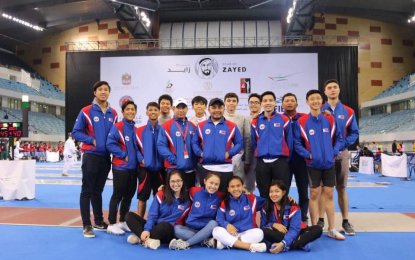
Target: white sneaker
[258, 247]
[152, 243]
[133, 239]
[335, 234]
[115, 230]
[123, 226]
[178, 244]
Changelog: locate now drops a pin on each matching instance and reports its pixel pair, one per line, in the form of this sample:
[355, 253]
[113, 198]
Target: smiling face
[102, 93]
[276, 194]
[216, 112]
[152, 113]
[268, 103]
[212, 184]
[180, 111]
[129, 112]
[254, 105]
[176, 183]
[165, 106]
[235, 188]
[314, 101]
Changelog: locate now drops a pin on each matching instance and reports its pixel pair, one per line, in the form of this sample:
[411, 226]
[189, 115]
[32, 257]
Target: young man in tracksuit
[296, 162]
[121, 144]
[270, 137]
[213, 143]
[318, 140]
[91, 128]
[151, 172]
[174, 143]
[347, 124]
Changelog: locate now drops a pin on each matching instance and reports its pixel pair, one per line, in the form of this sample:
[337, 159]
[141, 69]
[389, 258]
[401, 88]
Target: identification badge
[186, 155]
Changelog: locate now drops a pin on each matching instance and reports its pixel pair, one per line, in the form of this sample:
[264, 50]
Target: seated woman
[281, 222]
[169, 207]
[236, 219]
[201, 220]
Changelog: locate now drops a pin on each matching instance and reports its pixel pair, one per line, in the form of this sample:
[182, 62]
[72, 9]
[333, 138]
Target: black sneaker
[320, 223]
[100, 226]
[348, 229]
[88, 232]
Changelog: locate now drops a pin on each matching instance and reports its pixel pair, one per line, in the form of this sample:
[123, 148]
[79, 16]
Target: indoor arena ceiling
[59, 15]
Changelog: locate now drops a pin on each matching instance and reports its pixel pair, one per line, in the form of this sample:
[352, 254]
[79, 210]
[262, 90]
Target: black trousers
[307, 235]
[224, 178]
[124, 186]
[95, 171]
[163, 231]
[267, 172]
[299, 170]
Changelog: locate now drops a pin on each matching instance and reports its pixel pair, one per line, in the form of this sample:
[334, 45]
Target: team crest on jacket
[325, 130]
[231, 212]
[96, 119]
[262, 126]
[181, 207]
[340, 116]
[207, 131]
[222, 132]
[311, 131]
[277, 124]
[177, 133]
[213, 207]
[127, 138]
[110, 119]
[197, 204]
[247, 207]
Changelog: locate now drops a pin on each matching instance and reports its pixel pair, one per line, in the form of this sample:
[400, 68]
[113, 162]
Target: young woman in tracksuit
[281, 222]
[201, 220]
[121, 143]
[236, 219]
[169, 207]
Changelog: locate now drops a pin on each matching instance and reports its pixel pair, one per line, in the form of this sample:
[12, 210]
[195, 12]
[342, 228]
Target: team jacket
[146, 137]
[241, 212]
[271, 137]
[295, 158]
[346, 122]
[172, 147]
[319, 137]
[204, 207]
[160, 211]
[121, 142]
[92, 124]
[291, 220]
[215, 141]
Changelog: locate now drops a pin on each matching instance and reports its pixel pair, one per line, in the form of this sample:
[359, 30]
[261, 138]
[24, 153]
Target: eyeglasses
[254, 102]
[176, 182]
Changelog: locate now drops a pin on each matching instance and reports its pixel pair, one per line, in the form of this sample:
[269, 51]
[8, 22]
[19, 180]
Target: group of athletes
[203, 171]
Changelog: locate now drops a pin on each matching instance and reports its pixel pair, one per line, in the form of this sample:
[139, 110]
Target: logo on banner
[325, 130]
[206, 67]
[311, 131]
[169, 87]
[245, 85]
[96, 119]
[232, 213]
[126, 79]
[124, 99]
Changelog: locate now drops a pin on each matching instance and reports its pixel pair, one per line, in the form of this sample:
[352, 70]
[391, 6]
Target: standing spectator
[394, 147]
[213, 143]
[91, 128]
[174, 143]
[347, 125]
[69, 154]
[3, 149]
[151, 171]
[165, 103]
[271, 136]
[60, 150]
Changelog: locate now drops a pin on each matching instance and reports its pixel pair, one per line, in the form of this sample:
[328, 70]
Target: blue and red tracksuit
[146, 137]
[319, 137]
[215, 140]
[291, 220]
[241, 212]
[121, 143]
[92, 124]
[174, 144]
[294, 156]
[271, 137]
[160, 211]
[346, 122]
[204, 207]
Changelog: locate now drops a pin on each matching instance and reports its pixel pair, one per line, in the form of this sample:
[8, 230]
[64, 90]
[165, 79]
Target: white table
[17, 179]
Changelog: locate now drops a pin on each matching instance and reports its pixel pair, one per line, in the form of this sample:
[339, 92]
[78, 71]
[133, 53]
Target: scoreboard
[11, 129]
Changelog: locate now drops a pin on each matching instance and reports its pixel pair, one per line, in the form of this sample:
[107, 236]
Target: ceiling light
[23, 22]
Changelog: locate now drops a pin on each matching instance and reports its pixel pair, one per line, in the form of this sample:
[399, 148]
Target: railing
[203, 43]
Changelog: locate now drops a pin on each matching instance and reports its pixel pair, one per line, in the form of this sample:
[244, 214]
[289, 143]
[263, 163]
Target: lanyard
[276, 214]
[184, 135]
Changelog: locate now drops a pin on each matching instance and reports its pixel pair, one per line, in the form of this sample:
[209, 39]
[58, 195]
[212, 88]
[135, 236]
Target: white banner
[52, 156]
[145, 78]
[394, 166]
[17, 179]
[366, 165]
